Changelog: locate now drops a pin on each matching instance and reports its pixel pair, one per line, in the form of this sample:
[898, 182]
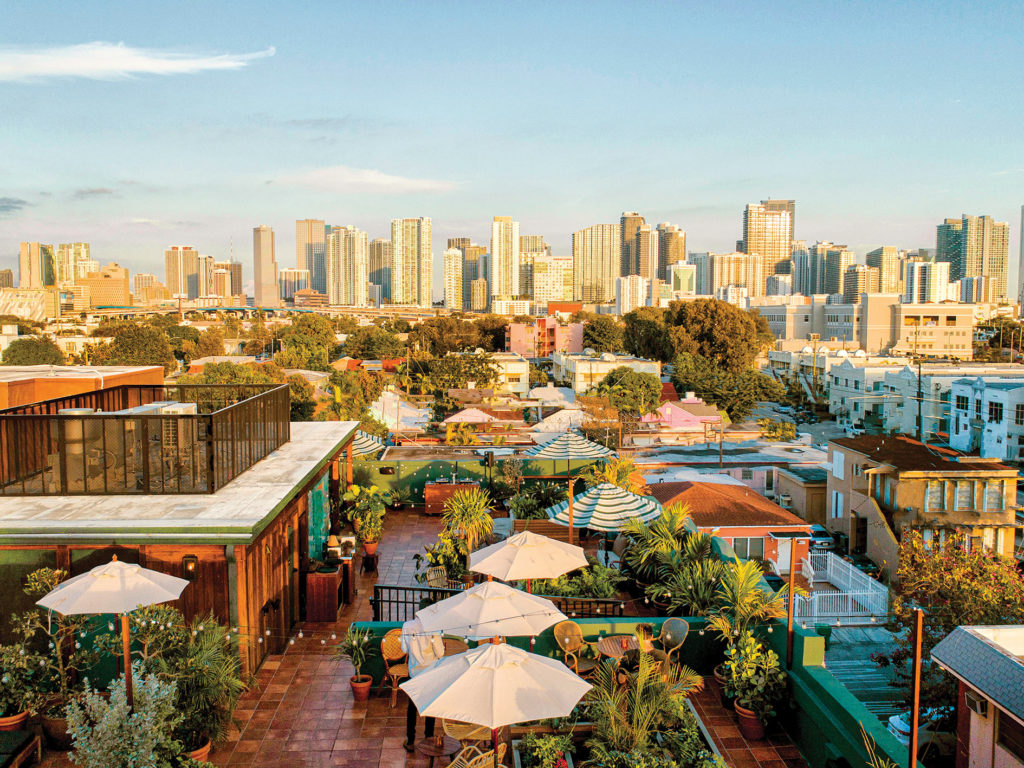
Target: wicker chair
[396, 668]
[672, 636]
[569, 637]
[471, 757]
[437, 578]
[465, 733]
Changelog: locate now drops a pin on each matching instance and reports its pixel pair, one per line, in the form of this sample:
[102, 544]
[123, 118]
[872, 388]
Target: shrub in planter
[593, 581]
[544, 751]
[106, 734]
[357, 646]
[19, 669]
[447, 551]
[757, 682]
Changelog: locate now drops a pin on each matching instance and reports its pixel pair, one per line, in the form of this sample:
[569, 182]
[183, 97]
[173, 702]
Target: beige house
[803, 491]
[882, 485]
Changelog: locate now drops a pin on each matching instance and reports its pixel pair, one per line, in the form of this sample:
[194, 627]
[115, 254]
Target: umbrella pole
[494, 745]
[570, 510]
[126, 649]
[529, 586]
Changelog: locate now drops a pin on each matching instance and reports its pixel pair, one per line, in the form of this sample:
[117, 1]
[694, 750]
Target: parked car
[821, 539]
[865, 564]
[928, 736]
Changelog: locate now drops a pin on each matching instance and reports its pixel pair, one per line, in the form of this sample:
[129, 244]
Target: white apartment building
[988, 417]
[290, 280]
[504, 305]
[412, 262]
[453, 279]
[584, 372]
[736, 295]
[552, 278]
[513, 373]
[630, 293]
[505, 257]
[348, 267]
[925, 282]
[856, 389]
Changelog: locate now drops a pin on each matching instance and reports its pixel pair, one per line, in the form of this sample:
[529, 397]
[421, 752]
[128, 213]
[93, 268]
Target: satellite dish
[842, 353]
[607, 356]
[589, 352]
[806, 351]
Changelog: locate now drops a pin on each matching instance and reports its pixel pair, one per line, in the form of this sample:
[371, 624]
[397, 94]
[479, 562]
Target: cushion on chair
[398, 670]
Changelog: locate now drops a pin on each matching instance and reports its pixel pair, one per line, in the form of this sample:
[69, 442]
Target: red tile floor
[301, 711]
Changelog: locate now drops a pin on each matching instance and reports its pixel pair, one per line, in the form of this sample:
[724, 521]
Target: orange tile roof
[714, 505]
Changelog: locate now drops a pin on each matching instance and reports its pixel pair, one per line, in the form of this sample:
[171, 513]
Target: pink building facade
[543, 338]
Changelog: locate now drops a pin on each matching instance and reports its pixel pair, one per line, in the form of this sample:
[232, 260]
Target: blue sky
[879, 119]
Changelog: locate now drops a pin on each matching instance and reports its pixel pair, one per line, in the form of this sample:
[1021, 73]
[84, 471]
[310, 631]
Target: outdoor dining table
[441, 745]
[615, 646]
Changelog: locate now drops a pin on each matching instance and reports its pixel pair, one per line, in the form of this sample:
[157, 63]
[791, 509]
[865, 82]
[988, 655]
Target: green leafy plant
[689, 590]
[356, 647]
[65, 657]
[367, 508]
[448, 552]
[650, 543]
[742, 603]
[621, 472]
[544, 750]
[401, 496]
[596, 580]
[467, 516]
[754, 676]
[19, 669]
[107, 734]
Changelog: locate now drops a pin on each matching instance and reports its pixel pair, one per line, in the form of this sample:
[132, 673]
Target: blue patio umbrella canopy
[605, 507]
[568, 446]
[366, 445]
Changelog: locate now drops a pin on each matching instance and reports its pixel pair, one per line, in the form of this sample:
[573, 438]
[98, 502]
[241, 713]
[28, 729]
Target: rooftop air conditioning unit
[177, 432]
[976, 703]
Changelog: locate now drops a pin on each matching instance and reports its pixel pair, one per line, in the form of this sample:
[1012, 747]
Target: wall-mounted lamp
[190, 566]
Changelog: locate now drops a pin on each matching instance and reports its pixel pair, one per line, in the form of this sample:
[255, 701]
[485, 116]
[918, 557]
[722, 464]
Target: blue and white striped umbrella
[366, 444]
[570, 445]
[605, 507]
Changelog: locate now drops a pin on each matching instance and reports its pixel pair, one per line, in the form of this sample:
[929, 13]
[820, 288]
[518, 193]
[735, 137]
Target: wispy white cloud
[111, 61]
[12, 205]
[343, 179]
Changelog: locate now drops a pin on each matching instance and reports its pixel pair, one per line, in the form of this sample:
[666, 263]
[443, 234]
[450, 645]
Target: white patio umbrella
[114, 587]
[527, 555]
[495, 686]
[490, 610]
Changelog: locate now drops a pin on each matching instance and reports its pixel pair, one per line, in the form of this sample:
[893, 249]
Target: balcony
[140, 439]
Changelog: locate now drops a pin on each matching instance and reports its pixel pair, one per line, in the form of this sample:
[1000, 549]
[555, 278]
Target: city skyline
[261, 144]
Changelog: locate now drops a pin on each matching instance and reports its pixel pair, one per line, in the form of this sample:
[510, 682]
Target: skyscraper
[740, 270]
[505, 257]
[789, 206]
[290, 280]
[412, 262]
[474, 266]
[531, 248]
[858, 279]
[645, 252]
[348, 266]
[453, 287]
[206, 268]
[69, 255]
[533, 244]
[234, 269]
[222, 283]
[311, 251]
[36, 267]
[887, 261]
[596, 259]
[984, 250]
[671, 248]
[6, 278]
[141, 282]
[768, 232]
[948, 239]
[836, 258]
[264, 267]
[629, 223]
[380, 267]
[181, 268]
[925, 282]
[552, 279]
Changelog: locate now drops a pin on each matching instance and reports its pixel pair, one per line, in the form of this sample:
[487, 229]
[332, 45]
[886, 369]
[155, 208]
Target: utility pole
[920, 398]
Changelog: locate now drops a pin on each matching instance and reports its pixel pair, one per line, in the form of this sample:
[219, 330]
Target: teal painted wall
[319, 516]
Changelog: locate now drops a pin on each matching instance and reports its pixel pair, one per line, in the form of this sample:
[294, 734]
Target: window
[962, 402]
[769, 481]
[936, 498]
[995, 413]
[993, 494]
[858, 470]
[964, 494]
[746, 474]
[977, 408]
[837, 504]
[838, 460]
[1010, 735]
[748, 548]
[1018, 414]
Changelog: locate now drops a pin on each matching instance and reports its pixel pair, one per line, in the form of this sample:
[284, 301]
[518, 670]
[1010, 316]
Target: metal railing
[194, 439]
[392, 602]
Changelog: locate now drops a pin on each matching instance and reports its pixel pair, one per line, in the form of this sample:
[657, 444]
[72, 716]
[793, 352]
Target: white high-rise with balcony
[348, 267]
[505, 257]
[412, 262]
[453, 278]
[596, 259]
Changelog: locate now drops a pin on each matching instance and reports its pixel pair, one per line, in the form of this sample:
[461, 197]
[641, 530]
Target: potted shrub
[400, 497]
[368, 505]
[356, 646]
[467, 515]
[757, 682]
[18, 671]
[65, 658]
[370, 530]
[107, 735]
[542, 751]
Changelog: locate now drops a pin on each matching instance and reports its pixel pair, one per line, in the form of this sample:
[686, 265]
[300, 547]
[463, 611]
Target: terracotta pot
[56, 730]
[720, 678]
[361, 687]
[750, 724]
[370, 547]
[202, 753]
[14, 722]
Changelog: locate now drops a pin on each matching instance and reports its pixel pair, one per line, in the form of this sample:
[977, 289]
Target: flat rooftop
[21, 372]
[752, 452]
[235, 514]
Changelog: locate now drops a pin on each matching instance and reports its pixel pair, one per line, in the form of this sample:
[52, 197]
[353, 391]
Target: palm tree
[742, 603]
[621, 472]
[461, 433]
[651, 543]
[467, 516]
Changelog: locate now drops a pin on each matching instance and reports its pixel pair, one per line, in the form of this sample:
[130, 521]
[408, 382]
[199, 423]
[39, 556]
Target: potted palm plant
[757, 682]
[467, 515]
[400, 497]
[18, 669]
[356, 647]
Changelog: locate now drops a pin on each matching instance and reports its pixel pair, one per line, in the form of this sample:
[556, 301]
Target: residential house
[544, 336]
[676, 421]
[988, 417]
[986, 662]
[513, 373]
[584, 372]
[803, 490]
[882, 485]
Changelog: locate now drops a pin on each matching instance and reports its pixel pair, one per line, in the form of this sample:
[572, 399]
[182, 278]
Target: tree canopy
[492, 332]
[373, 343]
[134, 344]
[33, 350]
[734, 392]
[309, 342]
[441, 335]
[630, 391]
[645, 334]
[600, 332]
[300, 392]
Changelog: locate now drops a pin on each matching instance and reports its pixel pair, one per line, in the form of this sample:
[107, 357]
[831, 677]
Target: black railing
[392, 602]
[140, 439]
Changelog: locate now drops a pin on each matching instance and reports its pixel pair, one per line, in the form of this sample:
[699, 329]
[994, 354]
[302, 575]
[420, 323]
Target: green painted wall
[15, 565]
